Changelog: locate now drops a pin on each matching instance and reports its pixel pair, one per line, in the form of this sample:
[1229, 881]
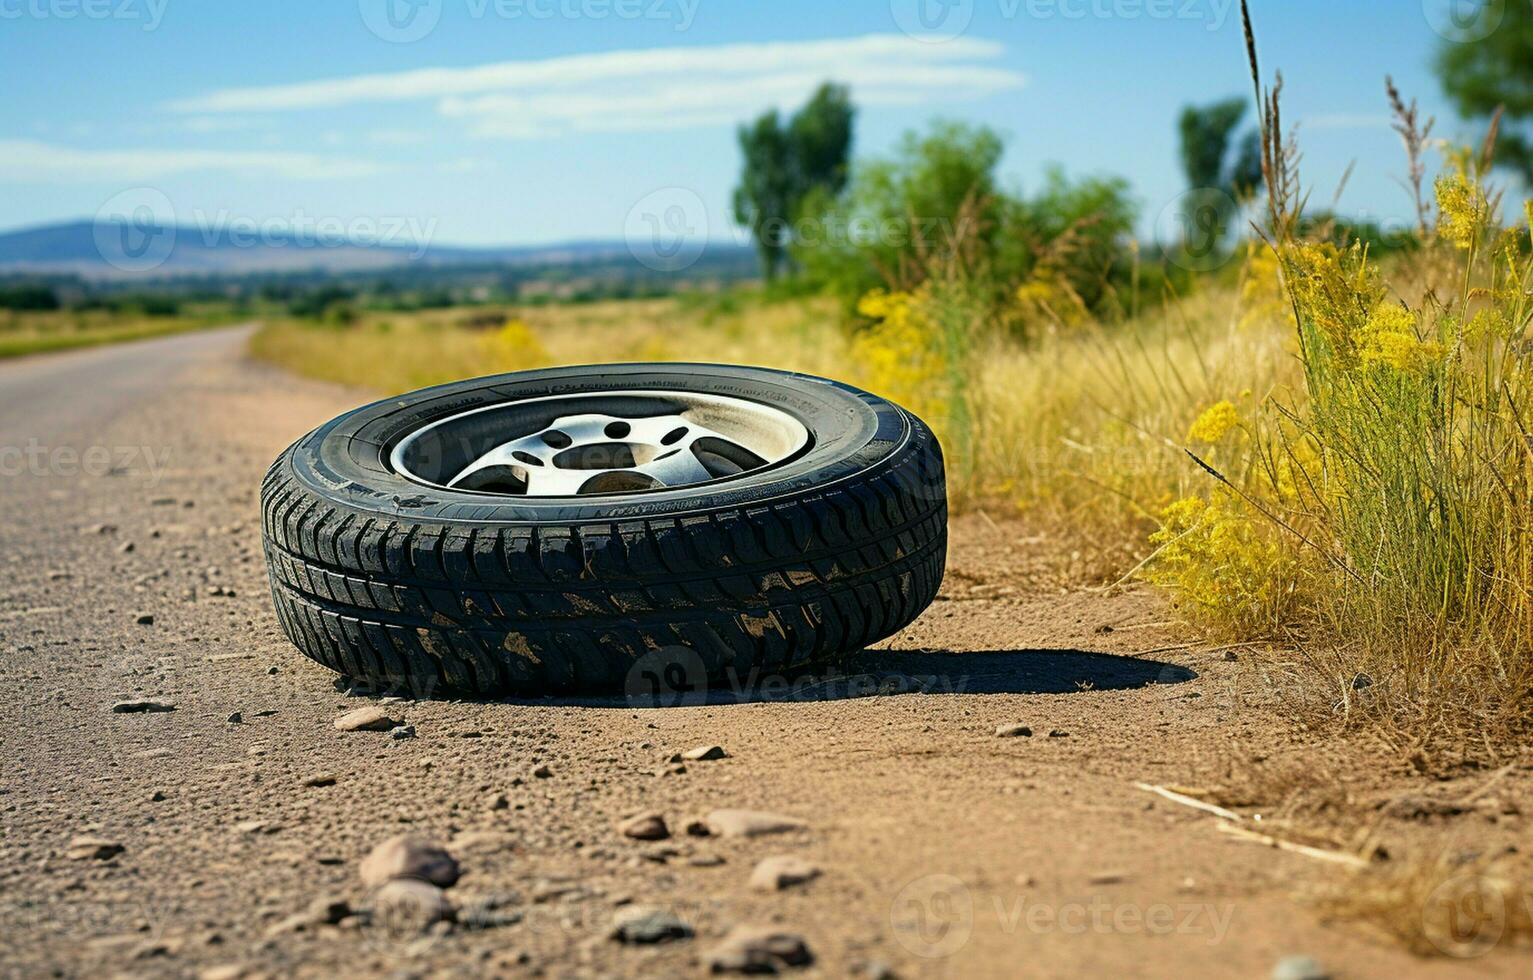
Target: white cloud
[35, 161]
[205, 125]
[664, 88]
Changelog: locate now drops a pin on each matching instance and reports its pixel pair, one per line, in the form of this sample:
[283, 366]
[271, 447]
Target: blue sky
[528, 121]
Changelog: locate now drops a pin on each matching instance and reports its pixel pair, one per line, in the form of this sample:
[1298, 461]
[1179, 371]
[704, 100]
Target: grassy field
[1360, 514]
[1026, 426]
[36, 332]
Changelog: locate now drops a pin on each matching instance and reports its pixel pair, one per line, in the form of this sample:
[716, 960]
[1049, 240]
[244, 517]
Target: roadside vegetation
[34, 331]
[1310, 434]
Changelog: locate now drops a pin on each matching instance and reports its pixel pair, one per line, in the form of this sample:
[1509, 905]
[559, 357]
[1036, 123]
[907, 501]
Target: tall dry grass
[1082, 427]
[1375, 517]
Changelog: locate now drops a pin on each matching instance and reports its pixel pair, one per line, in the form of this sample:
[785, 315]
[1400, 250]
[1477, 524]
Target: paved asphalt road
[68, 399]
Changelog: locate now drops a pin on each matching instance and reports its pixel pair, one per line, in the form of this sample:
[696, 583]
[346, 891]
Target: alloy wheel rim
[622, 442]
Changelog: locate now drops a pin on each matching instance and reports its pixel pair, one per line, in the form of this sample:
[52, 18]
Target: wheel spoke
[593, 452]
[680, 469]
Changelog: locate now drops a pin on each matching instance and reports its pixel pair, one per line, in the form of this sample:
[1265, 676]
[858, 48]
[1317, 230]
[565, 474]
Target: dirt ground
[944, 850]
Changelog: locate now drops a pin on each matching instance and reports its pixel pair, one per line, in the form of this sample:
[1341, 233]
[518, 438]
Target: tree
[786, 164]
[937, 203]
[1220, 170]
[1481, 75]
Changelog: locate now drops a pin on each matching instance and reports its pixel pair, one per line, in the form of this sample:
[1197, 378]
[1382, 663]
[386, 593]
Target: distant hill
[93, 252]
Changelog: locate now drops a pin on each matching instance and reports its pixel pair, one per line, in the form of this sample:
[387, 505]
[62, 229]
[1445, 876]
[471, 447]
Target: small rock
[782, 871]
[489, 912]
[750, 949]
[144, 619]
[1108, 878]
[404, 856]
[323, 779]
[400, 732]
[234, 718]
[410, 903]
[1013, 731]
[324, 911]
[368, 719]
[157, 797]
[272, 671]
[642, 924]
[749, 823]
[542, 772]
[1299, 968]
[126, 547]
[645, 826]
[698, 828]
[705, 753]
[705, 860]
[93, 848]
[1059, 733]
[142, 707]
[500, 802]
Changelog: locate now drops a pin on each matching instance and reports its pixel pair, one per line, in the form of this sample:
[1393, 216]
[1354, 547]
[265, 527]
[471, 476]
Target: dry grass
[34, 333]
[1084, 429]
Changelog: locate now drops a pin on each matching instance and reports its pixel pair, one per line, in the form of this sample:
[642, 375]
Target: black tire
[431, 591]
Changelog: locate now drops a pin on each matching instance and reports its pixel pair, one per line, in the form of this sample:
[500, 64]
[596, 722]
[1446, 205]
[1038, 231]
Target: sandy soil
[944, 850]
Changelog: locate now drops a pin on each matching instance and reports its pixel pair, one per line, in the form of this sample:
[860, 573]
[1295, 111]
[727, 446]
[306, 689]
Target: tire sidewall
[346, 460]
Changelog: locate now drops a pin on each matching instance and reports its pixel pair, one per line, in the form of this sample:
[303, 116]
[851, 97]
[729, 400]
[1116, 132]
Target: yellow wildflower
[514, 347]
[1461, 209]
[1047, 295]
[1389, 337]
[1215, 423]
[1261, 293]
[1223, 565]
[1488, 324]
[901, 355]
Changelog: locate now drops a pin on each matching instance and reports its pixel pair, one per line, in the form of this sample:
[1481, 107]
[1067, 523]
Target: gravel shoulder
[226, 837]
